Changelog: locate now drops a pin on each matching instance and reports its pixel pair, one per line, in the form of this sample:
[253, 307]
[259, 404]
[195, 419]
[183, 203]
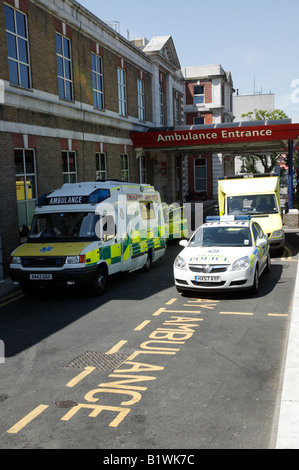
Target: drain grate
[66, 404]
[101, 361]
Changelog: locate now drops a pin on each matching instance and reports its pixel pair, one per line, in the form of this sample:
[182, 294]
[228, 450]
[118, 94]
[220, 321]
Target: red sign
[215, 135]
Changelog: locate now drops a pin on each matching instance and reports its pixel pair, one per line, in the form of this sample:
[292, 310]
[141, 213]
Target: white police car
[227, 252]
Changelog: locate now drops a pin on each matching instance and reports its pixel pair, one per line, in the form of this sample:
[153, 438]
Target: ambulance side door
[112, 247]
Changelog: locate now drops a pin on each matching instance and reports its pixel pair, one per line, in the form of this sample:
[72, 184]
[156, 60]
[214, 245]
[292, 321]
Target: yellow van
[258, 196]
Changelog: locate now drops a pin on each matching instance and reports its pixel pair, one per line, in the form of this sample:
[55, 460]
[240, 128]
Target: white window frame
[198, 98]
[141, 101]
[142, 169]
[26, 177]
[101, 166]
[176, 111]
[18, 37]
[68, 176]
[200, 178]
[125, 170]
[65, 80]
[97, 81]
[122, 91]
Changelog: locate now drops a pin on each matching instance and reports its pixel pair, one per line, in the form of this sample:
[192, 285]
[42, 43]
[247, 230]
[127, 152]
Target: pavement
[286, 422]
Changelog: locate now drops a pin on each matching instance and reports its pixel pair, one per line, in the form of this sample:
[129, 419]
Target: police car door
[261, 243]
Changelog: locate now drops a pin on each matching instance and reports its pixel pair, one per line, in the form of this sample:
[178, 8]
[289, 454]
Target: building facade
[71, 91]
[208, 100]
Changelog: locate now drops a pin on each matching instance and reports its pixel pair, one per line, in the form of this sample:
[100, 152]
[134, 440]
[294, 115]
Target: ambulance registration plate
[41, 277]
[207, 278]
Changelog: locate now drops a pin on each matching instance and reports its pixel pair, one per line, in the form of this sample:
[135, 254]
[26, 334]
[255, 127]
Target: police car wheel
[99, 282]
[268, 264]
[256, 280]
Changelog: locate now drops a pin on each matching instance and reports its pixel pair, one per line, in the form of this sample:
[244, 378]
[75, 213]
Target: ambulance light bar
[95, 197]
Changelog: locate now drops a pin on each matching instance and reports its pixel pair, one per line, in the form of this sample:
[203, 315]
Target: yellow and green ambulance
[84, 232]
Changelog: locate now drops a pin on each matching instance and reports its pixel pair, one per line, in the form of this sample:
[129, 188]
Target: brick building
[71, 91]
[208, 101]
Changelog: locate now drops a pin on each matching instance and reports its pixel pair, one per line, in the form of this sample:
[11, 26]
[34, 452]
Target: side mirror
[183, 243]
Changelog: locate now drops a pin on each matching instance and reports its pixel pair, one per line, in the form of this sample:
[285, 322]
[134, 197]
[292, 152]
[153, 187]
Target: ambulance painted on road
[84, 232]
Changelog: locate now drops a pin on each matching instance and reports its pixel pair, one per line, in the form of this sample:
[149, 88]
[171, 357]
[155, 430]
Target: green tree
[268, 161]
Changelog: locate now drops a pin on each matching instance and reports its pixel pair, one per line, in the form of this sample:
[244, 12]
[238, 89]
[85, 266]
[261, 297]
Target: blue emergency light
[214, 218]
[99, 195]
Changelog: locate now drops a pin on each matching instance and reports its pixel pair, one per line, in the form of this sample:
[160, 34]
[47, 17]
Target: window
[199, 120]
[65, 226]
[142, 169]
[161, 104]
[140, 92]
[147, 210]
[124, 167]
[97, 81]
[25, 172]
[122, 93]
[200, 174]
[69, 167]
[198, 92]
[101, 167]
[176, 111]
[17, 47]
[64, 67]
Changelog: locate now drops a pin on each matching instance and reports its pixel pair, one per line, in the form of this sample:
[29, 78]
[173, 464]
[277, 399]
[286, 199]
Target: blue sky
[258, 41]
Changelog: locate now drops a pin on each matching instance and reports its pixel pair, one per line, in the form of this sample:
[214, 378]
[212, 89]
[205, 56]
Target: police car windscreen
[221, 236]
[69, 226]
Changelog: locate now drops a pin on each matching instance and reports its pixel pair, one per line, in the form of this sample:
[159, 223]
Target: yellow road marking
[184, 311]
[278, 314]
[27, 419]
[142, 325]
[171, 301]
[12, 300]
[203, 306]
[161, 310]
[235, 313]
[79, 377]
[116, 347]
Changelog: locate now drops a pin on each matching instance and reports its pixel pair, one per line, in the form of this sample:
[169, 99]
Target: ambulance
[84, 232]
[256, 195]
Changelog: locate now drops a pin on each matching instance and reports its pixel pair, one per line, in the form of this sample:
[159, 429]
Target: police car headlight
[180, 263]
[75, 259]
[241, 263]
[277, 233]
[15, 260]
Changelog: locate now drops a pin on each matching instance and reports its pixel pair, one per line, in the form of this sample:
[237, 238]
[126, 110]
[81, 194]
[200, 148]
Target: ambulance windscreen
[63, 226]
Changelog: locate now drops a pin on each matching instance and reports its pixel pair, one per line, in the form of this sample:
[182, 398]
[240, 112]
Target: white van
[84, 232]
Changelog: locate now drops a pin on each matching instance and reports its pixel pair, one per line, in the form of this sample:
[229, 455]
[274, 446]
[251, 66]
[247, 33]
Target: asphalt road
[143, 367]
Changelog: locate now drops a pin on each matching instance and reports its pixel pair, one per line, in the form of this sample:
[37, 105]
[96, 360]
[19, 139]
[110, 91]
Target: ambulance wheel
[99, 282]
[148, 262]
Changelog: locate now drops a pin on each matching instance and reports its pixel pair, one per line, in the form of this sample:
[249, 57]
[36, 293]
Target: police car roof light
[242, 217]
[214, 218]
